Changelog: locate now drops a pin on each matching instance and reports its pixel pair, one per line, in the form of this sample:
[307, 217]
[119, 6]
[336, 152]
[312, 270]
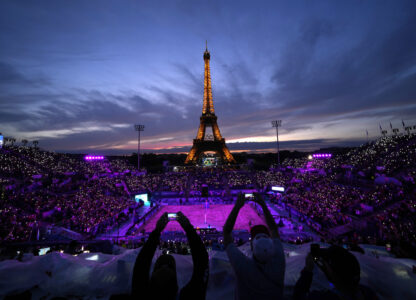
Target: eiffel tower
[208, 122]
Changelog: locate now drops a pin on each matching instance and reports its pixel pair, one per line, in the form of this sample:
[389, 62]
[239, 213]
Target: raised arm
[196, 287]
[267, 215]
[143, 262]
[304, 282]
[229, 224]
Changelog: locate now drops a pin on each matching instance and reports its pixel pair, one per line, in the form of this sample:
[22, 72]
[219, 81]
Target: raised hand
[162, 222]
[182, 219]
[240, 200]
[271, 223]
[309, 262]
[258, 199]
[229, 224]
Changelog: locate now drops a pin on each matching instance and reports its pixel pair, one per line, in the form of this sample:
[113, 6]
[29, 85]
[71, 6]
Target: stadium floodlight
[138, 128]
[276, 124]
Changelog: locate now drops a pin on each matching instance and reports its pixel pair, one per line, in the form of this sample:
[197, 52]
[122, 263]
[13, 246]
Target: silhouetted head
[163, 282]
[261, 243]
[341, 267]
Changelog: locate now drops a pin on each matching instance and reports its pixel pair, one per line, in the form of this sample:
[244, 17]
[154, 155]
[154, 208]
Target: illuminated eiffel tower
[208, 123]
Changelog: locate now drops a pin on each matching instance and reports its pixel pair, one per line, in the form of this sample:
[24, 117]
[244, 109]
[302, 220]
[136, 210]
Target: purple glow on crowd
[322, 155]
[93, 157]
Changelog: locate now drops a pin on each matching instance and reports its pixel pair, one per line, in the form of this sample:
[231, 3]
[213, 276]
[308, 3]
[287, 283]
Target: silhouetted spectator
[162, 284]
[262, 276]
[341, 269]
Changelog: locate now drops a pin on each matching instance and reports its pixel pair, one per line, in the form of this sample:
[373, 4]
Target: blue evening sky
[76, 75]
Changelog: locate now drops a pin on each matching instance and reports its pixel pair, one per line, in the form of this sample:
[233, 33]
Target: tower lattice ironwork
[204, 141]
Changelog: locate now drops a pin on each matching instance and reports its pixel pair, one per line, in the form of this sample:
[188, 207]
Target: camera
[249, 196]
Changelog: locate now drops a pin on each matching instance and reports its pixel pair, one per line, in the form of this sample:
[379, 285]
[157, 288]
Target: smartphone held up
[172, 216]
[249, 196]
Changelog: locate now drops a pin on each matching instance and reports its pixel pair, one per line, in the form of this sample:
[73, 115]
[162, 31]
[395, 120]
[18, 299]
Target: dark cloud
[99, 109]
[298, 57]
[13, 117]
[370, 74]
[10, 76]
[314, 29]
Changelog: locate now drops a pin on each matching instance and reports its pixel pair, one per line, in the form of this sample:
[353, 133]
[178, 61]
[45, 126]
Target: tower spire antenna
[206, 45]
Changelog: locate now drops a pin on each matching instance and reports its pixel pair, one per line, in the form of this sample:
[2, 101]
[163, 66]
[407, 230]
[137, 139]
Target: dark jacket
[301, 291]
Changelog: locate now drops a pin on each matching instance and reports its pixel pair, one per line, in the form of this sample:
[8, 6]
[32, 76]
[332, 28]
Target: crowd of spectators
[212, 178]
[396, 226]
[88, 197]
[240, 179]
[40, 186]
[390, 155]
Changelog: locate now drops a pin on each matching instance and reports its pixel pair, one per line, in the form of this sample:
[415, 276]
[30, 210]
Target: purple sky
[76, 75]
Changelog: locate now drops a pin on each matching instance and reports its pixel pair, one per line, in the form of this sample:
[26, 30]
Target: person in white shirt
[262, 275]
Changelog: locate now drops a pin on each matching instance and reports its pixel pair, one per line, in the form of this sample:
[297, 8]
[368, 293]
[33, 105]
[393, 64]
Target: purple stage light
[322, 155]
[93, 157]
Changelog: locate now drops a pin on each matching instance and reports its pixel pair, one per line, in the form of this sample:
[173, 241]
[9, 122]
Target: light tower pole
[276, 124]
[138, 128]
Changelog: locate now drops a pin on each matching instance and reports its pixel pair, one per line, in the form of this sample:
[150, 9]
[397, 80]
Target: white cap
[263, 248]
